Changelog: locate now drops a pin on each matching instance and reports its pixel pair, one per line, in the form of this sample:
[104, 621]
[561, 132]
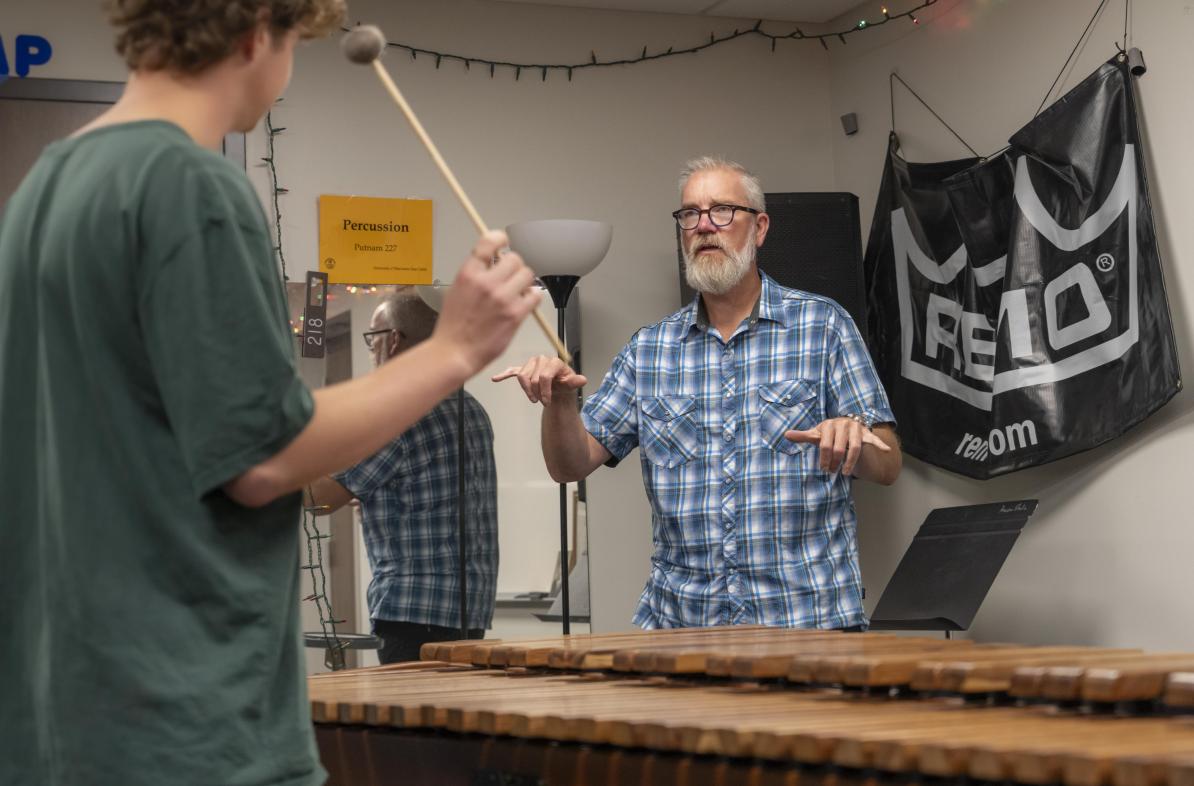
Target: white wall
[607, 146]
[1104, 560]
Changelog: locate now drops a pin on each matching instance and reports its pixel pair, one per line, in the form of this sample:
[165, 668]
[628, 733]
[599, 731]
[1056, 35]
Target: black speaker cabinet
[814, 244]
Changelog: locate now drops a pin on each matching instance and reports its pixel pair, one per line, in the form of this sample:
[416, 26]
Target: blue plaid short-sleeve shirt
[747, 528]
[407, 492]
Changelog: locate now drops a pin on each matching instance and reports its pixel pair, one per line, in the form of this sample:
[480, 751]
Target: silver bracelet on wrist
[862, 420]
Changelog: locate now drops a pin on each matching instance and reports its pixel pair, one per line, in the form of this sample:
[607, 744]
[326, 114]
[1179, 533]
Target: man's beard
[718, 276]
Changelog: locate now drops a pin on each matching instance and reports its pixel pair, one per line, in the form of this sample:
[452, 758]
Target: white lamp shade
[561, 246]
[433, 294]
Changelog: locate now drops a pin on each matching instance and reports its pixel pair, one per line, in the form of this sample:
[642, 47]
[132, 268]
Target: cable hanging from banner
[714, 40]
[892, 79]
[1121, 46]
[1127, 11]
[1077, 46]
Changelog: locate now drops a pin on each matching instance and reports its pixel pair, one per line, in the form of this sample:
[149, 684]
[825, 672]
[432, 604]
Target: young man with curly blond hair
[154, 433]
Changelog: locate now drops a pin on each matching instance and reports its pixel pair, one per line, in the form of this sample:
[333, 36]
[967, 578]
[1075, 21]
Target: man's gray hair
[754, 190]
[407, 313]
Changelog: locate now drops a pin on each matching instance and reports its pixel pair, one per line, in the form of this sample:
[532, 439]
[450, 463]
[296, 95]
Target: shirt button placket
[729, 421]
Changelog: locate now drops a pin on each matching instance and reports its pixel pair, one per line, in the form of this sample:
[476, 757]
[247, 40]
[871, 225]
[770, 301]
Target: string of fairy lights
[757, 31]
[334, 645]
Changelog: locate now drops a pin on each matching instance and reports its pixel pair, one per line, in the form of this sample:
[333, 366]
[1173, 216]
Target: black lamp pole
[560, 288]
[460, 533]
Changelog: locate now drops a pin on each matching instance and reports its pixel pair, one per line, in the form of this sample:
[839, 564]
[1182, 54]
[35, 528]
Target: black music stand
[952, 563]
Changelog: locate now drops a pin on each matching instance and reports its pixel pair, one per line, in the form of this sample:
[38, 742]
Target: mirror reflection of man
[753, 408]
[408, 505]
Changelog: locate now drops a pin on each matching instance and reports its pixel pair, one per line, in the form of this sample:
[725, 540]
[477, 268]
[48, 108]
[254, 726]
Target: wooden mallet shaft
[370, 38]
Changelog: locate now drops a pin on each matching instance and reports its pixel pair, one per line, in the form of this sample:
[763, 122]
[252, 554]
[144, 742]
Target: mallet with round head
[364, 45]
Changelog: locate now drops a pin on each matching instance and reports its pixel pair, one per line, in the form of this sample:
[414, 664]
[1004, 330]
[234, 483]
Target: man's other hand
[841, 441]
[541, 377]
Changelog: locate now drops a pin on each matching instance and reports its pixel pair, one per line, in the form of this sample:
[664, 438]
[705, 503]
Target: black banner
[1017, 310]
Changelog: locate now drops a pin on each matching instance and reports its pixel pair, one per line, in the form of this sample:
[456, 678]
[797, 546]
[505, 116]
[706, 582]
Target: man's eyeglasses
[719, 215]
[370, 335]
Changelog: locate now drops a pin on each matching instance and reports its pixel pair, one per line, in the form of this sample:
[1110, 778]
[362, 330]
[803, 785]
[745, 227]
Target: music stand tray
[950, 566]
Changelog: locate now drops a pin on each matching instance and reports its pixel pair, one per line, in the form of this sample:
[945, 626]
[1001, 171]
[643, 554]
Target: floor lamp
[561, 251]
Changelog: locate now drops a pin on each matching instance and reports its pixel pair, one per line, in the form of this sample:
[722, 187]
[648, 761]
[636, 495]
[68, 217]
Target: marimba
[759, 706]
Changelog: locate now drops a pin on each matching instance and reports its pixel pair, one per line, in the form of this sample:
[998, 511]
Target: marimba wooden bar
[760, 706]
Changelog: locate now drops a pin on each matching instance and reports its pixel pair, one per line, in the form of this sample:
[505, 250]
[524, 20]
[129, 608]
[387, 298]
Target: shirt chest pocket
[670, 430]
[791, 404]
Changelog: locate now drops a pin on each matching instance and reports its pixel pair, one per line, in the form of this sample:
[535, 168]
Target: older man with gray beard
[754, 408]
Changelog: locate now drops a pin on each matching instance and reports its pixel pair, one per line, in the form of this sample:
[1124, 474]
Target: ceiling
[811, 11]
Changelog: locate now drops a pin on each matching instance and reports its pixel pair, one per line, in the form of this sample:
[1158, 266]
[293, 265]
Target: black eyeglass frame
[709, 211]
[369, 334]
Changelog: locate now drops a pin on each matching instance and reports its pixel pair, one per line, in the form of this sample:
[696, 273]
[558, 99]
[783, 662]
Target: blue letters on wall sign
[28, 51]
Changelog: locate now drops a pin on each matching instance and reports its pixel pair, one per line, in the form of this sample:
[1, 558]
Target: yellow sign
[374, 240]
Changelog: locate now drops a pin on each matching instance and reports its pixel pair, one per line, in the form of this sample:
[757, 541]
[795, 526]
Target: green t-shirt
[151, 624]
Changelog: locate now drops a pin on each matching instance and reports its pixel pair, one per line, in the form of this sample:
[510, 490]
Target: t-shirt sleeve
[611, 414]
[852, 383]
[213, 320]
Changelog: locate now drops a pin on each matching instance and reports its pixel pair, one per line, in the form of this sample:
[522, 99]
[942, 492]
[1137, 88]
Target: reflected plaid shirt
[408, 512]
[747, 528]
